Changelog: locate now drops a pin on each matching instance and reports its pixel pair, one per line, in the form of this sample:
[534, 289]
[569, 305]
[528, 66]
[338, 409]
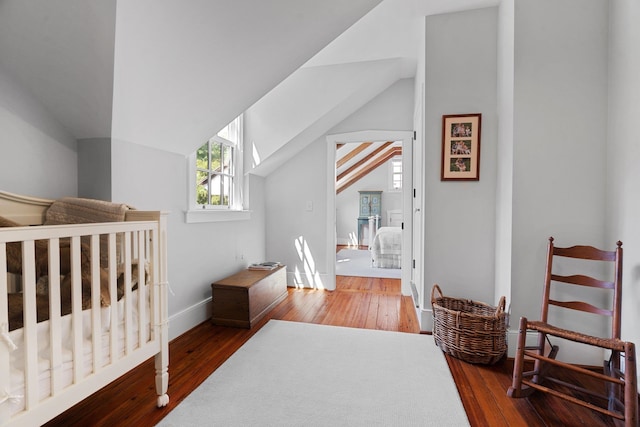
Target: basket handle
[433, 293]
[500, 308]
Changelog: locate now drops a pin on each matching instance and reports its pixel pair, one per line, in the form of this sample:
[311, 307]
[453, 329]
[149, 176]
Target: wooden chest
[243, 299]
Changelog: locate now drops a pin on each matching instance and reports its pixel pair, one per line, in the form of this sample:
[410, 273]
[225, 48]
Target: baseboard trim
[300, 281]
[184, 320]
[425, 318]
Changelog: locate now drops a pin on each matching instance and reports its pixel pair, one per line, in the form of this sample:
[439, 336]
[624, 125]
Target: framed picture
[461, 147]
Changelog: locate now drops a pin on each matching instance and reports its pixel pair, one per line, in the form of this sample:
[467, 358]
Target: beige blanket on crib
[72, 210]
[68, 210]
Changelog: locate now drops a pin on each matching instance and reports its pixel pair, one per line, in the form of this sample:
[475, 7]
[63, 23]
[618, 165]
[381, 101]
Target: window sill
[210, 215]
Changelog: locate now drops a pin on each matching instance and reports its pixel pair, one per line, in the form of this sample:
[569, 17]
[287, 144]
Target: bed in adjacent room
[386, 249]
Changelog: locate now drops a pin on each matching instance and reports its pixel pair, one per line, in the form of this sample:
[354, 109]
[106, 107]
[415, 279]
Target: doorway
[404, 139]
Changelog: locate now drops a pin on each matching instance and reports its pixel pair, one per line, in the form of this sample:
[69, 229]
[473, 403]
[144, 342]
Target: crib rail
[120, 328]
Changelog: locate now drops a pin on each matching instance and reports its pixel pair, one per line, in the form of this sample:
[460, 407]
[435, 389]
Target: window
[395, 174]
[215, 170]
[215, 173]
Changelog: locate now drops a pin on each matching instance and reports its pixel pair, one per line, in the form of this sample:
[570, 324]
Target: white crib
[48, 365]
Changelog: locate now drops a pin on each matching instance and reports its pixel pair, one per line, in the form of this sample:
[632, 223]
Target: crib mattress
[16, 400]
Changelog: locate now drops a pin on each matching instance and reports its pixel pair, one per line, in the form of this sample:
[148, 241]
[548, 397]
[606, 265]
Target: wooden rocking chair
[620, 391]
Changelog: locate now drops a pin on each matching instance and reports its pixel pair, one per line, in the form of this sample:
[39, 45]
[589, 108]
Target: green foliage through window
[214, 174]
[216, 169]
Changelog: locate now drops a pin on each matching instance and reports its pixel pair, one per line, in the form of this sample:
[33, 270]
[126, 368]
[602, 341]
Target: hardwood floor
[358, 302]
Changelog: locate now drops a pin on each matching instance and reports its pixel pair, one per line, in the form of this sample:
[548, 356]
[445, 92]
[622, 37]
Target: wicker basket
[468, 330]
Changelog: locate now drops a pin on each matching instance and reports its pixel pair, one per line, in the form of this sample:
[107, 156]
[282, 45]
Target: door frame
[407, 177]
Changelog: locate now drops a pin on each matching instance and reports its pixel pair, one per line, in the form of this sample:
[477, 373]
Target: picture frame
[461, 147]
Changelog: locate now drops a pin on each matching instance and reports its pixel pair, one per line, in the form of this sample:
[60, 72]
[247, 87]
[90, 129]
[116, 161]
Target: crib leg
[162, 362]
[162, 378]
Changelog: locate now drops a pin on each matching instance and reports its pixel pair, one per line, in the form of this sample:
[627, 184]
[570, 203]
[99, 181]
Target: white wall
[296, 236]
[623, 154]
[459, 217]
[37, 155]
[199, 254]
[391, 109]
[504, 179]
[94, 168]
[560, 122]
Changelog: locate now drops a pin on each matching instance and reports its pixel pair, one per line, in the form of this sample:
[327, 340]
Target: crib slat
[30, 323]
[154, 280]
[113, 329]
[142, 300]
[5, 360]
[76, 310]
[55, 327]
[128, 333]
[96, 336]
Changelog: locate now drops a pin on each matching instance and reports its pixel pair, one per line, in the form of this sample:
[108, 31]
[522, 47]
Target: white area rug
[300, 374]
[357, 262]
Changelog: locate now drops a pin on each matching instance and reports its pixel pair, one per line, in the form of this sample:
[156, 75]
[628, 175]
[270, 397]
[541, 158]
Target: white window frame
[210, 213]
[391, 161]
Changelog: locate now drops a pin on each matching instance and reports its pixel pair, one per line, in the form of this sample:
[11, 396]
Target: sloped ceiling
[62, 53]
[183, 70]
[308, 104]
[376, 51]
[391, 30]
[163, 73]
[170, 73]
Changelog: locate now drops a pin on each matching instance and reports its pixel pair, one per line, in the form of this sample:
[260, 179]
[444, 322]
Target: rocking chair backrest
[586, 253]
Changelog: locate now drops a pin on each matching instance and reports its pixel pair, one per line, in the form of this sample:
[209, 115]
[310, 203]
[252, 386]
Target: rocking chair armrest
[546, 328]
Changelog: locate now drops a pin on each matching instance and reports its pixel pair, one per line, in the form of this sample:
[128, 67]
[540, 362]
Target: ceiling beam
[362, 161]
[368, 167]
[351, 154]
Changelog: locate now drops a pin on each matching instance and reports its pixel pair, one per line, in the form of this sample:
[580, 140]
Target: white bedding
[386, 250]
[17, 359]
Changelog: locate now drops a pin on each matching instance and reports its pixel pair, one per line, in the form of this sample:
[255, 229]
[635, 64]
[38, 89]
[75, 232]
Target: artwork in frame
[461, 147]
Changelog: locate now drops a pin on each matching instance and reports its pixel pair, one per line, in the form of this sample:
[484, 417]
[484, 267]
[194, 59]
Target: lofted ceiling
[62, 54]
[356, 160]
[170, 73]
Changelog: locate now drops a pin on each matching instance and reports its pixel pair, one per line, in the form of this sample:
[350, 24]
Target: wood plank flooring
[358, 302]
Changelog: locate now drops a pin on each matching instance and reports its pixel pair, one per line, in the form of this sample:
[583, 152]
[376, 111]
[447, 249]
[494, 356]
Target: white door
[417, 285]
